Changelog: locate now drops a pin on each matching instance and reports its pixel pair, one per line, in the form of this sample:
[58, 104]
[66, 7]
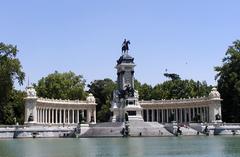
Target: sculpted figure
[125, 46]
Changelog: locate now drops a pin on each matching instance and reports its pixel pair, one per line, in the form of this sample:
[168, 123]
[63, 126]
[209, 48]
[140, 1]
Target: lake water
[194, 146]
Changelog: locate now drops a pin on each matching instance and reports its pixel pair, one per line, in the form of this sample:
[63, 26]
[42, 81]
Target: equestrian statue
[125, 47]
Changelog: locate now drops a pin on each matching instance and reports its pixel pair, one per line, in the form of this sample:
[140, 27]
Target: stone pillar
[31, 105]
[64, 116]
[147, 114]
[56, 115]
[88, 115]
[68, 117]
[41, 115]
[94, 114]
[157, 115]
[153, 115]
[73, 116]
[44, 118]
[204, 114]
[77, 116]
[44, 115]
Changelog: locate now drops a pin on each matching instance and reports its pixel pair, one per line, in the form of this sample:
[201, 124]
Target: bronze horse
[125, 47]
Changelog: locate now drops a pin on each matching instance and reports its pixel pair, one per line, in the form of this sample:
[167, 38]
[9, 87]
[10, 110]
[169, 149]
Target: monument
[125, 105]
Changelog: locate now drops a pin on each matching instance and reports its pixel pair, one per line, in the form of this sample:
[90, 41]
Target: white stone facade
[52, 111]
[184, 110]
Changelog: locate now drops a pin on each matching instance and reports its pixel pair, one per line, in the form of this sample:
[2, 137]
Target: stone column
[147, 115]
[56, 115]
[153, 115]
[207, 114]
[64, 116]
[157, 115]
[88, 115]
[204, 115]
[73, 116]
[94, 114]
[45, 118]
[68, 117]
[77, 116]
[41, 115]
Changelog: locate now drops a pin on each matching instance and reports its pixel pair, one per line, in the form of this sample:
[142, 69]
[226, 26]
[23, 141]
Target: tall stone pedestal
[125, 105]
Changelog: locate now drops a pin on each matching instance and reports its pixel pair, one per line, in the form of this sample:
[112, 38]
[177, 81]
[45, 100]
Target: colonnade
[46, 115]
[181, 115]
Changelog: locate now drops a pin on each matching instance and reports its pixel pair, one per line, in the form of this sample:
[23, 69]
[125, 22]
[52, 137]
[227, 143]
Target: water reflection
[194, 146]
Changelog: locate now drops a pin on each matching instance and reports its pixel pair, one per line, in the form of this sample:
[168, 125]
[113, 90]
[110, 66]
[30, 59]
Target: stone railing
[59, 101]
[181, 100]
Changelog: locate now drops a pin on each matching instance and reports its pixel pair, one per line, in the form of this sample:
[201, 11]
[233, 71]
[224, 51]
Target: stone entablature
[176, 102]
[64, 102]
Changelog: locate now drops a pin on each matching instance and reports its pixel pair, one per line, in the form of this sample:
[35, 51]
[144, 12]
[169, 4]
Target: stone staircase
[140, 128]
[186, 130]
[107, 129]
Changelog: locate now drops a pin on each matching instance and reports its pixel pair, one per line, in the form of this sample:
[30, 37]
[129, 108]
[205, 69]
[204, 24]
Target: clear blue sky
[186, 37]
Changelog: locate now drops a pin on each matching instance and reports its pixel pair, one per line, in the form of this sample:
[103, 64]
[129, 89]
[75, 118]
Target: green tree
[144, 90]
[177, 88]
[102, 90]
[65, 85]
[229, 83]
[10, 71]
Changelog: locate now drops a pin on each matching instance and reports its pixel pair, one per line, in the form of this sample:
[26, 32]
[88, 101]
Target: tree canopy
[175, 88]
[102, 91]
[65, 85]
[10, 71]
[228, 77]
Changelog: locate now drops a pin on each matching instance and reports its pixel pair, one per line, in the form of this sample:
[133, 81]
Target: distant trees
[65, 85]
[174, 88]
[11, 100]
[229, 83]
[102, 91]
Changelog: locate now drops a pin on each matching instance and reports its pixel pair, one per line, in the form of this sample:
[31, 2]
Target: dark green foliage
[172, 89]
[10, 71]
[172, 76]
[176, 89]
[61, 86]
[102, 90]
[144, 90]
[229, 83]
